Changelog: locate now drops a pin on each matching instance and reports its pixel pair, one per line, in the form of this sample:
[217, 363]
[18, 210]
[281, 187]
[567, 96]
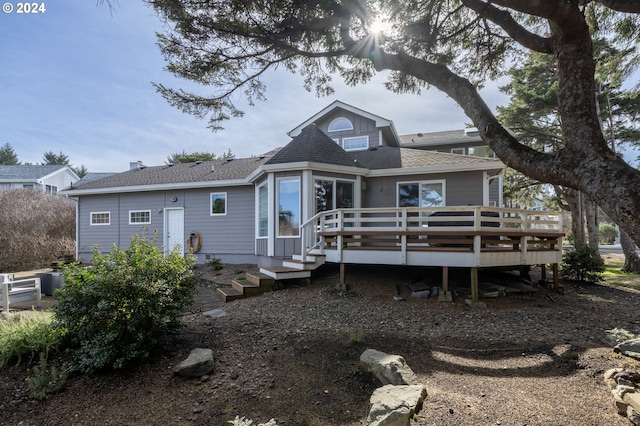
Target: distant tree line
[9, 157]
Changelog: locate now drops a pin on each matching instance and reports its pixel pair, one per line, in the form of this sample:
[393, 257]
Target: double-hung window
[100, 218]
[139, 217]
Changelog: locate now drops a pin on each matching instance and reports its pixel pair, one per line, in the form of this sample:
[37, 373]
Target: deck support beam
[474, 302]
[556, 284]
[445, 296]
[474, 285]
[342, 286]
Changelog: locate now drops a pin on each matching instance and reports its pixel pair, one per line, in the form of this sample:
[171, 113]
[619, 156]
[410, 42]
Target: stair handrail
[309, 232]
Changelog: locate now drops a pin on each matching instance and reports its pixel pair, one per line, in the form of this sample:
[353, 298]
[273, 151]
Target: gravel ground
[293, 355]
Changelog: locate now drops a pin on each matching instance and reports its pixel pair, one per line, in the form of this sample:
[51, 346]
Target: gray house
[345, 189]
[251, 209]
[47, 179]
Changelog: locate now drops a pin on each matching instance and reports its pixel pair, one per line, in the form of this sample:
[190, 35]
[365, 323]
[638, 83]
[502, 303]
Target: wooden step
[228, 293]
[261, 279]
[284, 273]
[247, 288]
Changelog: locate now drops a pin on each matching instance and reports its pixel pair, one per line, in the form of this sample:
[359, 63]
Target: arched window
[340, 124]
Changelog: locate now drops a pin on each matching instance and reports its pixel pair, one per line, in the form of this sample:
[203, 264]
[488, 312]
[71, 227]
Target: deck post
[445, 296]
[474, 302]
[342, 286]
[543, 272]
[474, 285]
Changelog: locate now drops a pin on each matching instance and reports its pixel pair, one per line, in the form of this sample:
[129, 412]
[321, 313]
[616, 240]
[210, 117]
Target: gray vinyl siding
[464, 188]
[361, 127]
[102, 235]
[262, 246]
[232, 233]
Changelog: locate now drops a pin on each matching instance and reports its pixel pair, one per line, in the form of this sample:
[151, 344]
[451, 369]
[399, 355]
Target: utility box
[49, 281]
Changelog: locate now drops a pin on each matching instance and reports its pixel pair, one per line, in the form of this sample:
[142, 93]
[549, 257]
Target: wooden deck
[471, 237]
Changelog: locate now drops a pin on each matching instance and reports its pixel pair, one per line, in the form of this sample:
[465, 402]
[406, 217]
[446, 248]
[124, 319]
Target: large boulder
[199, 363]
[389, 369]
[395, 405]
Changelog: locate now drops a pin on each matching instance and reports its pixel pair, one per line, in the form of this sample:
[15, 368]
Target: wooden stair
[254, 284]
[294, 268]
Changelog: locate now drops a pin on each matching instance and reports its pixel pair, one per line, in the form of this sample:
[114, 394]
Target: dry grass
[613, 276]
[35, 229]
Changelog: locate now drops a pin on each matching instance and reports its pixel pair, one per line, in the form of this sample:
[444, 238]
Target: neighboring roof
[27, 173]
[312, 145]
[440, 138]
[386, 157]
[382, 123]
[173, 176]
[90, 177]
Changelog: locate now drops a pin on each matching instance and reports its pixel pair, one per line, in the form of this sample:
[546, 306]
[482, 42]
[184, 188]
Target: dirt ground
[293, 355]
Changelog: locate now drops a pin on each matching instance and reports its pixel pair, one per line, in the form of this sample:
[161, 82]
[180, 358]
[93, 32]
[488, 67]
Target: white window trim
[139, 211]
[226, 204]
[258, 211]
[453, 151]
[278, 205]
[366, 137]
[420, 183]
[340, 130]
[99, 224]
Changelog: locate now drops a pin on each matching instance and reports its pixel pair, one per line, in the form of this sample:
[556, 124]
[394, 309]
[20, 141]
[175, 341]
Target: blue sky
[77, 79]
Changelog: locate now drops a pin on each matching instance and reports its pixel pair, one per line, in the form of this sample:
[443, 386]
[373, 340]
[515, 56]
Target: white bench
[16, 291]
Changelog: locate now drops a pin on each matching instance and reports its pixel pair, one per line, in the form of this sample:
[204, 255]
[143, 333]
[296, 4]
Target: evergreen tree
[8, 155]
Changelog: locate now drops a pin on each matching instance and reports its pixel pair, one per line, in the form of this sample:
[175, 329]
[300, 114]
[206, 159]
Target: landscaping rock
[389, 369]
[624, 385]
[198, 364]
[395, 405]
[629, 348]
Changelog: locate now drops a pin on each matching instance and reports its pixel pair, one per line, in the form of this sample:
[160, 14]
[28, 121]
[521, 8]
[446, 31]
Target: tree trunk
[631, 258]
[585, 162]
[591, 216]
[572, 204]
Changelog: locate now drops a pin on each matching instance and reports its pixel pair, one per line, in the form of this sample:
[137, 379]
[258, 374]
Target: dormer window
[340, 124]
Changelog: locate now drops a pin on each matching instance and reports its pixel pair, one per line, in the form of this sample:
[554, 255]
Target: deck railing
[474, 229]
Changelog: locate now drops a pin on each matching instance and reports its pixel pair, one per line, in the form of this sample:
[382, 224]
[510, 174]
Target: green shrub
[125, 305]
[24, 337]
[582, 264]
[46, 381]
[215, 264]
[608, 233]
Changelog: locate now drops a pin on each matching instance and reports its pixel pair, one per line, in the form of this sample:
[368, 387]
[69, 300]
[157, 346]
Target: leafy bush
[25, 337]
[35, 229]
[619, 335]
[608, 233]
[46, 381]
[125, 305]
[241, 421]
[215, 264]
[582, 264]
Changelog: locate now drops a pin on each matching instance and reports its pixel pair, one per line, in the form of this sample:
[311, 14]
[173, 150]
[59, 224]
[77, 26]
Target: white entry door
[174, 229]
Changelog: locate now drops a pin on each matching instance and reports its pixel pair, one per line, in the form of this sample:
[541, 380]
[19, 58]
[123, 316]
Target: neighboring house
[47, 179]
[345, 189]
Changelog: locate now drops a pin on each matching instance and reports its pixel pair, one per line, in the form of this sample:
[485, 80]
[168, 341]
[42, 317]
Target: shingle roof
[199, 171]
[312, 145]
[447, 136]
[386, 157]
[26, 172]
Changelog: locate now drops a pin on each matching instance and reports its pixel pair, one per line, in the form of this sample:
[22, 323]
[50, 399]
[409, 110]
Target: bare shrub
[35, 229]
